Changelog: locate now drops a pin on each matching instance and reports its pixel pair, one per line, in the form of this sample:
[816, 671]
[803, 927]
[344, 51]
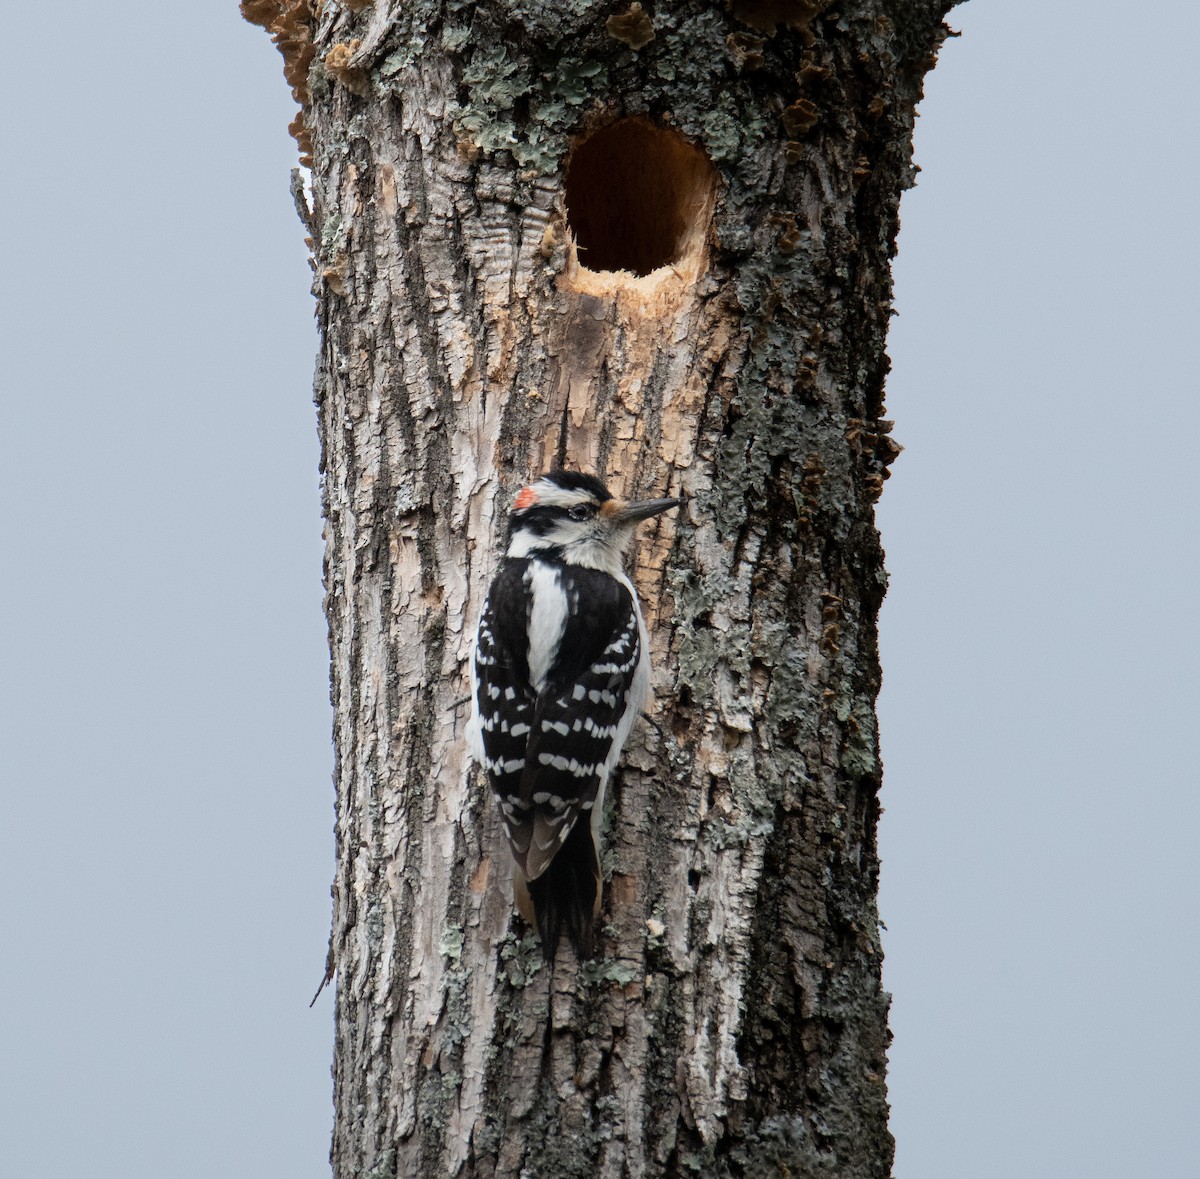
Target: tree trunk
[653, 245]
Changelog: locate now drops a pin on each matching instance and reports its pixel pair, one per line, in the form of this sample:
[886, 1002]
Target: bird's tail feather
[566, 896]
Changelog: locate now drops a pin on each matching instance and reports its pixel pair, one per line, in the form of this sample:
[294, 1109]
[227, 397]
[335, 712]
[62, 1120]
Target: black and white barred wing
[504, 704]
[580, 721]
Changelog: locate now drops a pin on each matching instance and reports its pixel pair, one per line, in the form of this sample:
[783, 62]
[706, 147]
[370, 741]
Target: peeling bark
[735, 1023]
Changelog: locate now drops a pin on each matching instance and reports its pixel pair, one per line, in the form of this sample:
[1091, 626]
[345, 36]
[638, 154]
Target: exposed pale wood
[735, 1024]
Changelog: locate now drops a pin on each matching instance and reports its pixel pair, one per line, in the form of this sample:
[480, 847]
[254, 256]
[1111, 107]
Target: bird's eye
[580, 512]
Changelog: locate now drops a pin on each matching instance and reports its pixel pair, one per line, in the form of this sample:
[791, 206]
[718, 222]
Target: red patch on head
[526, 498]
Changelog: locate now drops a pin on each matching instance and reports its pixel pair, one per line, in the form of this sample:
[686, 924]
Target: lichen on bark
[735, 1023]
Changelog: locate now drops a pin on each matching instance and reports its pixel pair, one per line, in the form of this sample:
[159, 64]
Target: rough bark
[735, 1023]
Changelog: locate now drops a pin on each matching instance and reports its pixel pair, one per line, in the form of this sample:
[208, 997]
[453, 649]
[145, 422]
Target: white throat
[594, 549]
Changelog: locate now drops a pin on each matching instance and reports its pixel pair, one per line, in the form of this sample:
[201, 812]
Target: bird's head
[575, 518]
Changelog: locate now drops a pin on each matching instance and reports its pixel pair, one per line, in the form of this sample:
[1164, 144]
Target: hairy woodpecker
[559, 673]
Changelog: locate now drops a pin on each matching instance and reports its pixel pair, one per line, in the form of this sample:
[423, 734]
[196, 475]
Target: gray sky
[1039, 638]
[165, 720]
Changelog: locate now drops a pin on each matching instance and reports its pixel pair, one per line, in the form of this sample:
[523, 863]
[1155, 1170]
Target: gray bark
[735, 1023]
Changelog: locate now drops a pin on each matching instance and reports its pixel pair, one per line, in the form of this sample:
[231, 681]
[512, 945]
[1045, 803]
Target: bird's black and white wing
[548, 735]
[503, 698]
[583, 713]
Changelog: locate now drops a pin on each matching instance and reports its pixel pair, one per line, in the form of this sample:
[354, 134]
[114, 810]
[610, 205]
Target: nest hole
[638, 196]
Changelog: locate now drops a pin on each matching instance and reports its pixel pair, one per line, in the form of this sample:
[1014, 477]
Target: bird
[560, 671]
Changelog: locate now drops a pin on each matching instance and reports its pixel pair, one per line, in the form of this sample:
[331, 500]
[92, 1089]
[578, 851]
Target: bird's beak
[638, 510]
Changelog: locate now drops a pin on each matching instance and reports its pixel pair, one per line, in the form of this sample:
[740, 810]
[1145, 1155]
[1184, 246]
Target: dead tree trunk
[653, 244]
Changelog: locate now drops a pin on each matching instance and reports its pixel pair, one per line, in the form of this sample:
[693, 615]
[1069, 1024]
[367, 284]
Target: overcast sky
[165, 723]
